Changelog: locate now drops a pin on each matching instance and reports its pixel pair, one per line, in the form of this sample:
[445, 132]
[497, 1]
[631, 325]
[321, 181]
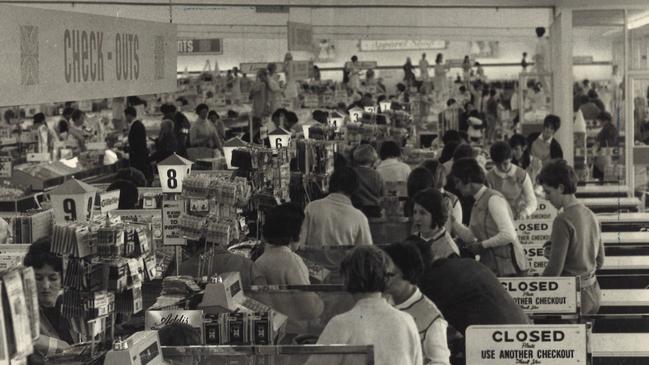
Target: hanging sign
[82, 57]
[300, 36]
[200, 46]
[171, 211]
[401, 45]
[543, 295]
[526, 344]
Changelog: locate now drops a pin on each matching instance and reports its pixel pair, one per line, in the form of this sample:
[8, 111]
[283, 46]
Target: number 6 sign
[73, 201]
[279, 138]
[172, 172]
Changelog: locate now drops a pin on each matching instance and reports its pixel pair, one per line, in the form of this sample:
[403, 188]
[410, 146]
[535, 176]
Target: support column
[562, 79]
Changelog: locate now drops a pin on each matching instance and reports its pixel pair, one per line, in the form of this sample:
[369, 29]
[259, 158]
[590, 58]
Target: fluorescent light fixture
[639, 20]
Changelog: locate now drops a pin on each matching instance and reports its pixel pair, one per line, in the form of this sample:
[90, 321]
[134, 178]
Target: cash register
[142, 348]
[225, 293]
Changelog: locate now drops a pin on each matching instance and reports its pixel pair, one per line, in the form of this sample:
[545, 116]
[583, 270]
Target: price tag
[171, 211]
[543, 295]
[526, 344]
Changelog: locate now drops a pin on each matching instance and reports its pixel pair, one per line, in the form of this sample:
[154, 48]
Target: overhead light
[638, 21]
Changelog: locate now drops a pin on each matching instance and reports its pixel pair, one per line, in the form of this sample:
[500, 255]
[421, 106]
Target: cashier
[56, 332]
[576, 247]
[77, 132]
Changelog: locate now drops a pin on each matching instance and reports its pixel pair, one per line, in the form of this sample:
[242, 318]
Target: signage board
[401, 45]
[543, 295]
[171, 211]
[82, 57]
[300, 70]
[251, 68]
[300, 36]
[108, 201]
[200, 46]
[538, 227]
[526, 344]
[536, 261]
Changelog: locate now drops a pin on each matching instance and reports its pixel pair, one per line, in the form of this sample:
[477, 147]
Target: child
[576, 247]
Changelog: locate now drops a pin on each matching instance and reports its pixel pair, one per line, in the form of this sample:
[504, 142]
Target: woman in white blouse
[372, 320]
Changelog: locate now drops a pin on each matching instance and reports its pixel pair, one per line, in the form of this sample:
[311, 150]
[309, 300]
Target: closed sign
[526, 344]
[538, 295]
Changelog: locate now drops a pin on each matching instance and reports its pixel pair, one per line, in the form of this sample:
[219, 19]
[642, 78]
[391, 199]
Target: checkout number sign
[534, 232]
[72, 212]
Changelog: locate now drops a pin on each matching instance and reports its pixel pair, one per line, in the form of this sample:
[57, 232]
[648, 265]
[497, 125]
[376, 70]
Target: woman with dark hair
[333, 220]
[166, 144]
[454, 205]
[391, 168]
[259, 95]
[372, 321]
[56, 332]
[430, 215]
[491, 233]
[520, 152]
[511, 181]
[408, 266]
[420, 179]
[576, 248]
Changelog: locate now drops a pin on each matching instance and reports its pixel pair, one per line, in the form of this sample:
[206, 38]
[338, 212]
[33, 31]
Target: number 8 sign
[73, 201]
[172, 172]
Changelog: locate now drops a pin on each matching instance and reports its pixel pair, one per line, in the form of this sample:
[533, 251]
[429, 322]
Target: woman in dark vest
[491, 233]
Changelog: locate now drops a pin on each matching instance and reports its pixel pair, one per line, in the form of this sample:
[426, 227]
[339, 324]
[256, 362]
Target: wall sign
[300, 36]
[526, 344]
[82, 57]
[543, 295]
[252, 67]
[401, 45]
[200, 46]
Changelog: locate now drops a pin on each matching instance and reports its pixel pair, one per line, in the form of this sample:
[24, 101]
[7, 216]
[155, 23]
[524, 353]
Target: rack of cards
[19, 300]
[213, 205]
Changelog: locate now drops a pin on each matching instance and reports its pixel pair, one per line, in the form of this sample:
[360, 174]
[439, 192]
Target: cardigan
[372, 321]
[333, 221]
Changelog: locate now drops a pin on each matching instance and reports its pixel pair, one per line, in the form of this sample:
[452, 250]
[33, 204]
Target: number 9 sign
[73, 201]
